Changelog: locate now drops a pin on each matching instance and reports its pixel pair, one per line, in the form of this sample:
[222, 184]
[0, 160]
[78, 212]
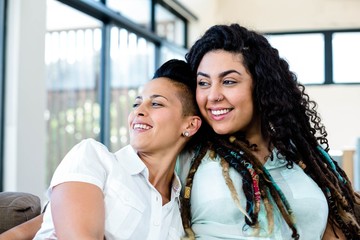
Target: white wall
[282, 15]
[339, 108]
[24, 150]
[275, 15]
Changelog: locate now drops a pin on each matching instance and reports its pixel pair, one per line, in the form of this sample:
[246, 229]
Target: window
[324, 57]
[132, 64]
[346, 52]
[138, 11]
[167, 18]
[72, 56]
[169, 26]
[96, 59]
[296, 49]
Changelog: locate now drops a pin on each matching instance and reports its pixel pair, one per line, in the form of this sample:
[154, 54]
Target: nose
[215, 93]
[140, 110]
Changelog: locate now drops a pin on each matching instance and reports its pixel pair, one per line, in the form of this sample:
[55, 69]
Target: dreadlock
[291, 123]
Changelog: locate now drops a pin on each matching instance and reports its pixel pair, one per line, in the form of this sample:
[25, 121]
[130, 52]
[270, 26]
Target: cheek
[200, 96]
[246, 107]
[130, 118]
[242, 98]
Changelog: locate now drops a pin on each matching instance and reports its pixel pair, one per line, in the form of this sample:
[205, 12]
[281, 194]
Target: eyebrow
[152, 96]
[222, 74]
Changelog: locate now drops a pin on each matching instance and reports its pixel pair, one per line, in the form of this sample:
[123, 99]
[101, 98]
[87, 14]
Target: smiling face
[157, 121]
[224, 93]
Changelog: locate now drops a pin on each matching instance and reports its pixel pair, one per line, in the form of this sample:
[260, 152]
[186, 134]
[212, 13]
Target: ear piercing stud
[186, 133]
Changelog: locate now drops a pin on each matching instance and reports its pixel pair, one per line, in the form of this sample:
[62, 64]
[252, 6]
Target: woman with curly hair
[262, 170]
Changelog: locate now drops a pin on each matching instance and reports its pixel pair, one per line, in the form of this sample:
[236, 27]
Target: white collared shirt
[133, 207]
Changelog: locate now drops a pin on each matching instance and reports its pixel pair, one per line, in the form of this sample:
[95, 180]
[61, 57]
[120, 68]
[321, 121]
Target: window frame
[3, 4]
[179, 11]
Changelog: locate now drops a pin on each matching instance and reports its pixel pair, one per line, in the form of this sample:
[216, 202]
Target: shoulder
[88, 161]
[88, 153]
[91, 144]
[185, 160]
[88, 148]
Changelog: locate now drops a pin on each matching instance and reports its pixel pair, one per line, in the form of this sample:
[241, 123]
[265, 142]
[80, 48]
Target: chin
[221, 131]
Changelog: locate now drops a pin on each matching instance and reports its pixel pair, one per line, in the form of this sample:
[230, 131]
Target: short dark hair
[180, 74]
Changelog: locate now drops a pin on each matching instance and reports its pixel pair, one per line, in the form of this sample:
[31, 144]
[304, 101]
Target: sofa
[17, 208]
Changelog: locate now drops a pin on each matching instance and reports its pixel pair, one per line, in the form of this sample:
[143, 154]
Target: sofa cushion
[16, 208]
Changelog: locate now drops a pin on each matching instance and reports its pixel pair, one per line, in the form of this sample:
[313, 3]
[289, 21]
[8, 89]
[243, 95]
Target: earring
[272, 127]
[186, 134]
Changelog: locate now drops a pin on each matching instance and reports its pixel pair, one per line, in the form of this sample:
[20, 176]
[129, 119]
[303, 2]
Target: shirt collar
[276, 162]
[134, 165]
[176, 186]
[131, 161]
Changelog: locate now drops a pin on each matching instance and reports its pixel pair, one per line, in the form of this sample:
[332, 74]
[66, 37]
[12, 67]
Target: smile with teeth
[141, 126]
[220, 111]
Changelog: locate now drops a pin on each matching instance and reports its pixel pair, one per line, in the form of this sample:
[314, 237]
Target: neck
[261, 152]
[161, 172]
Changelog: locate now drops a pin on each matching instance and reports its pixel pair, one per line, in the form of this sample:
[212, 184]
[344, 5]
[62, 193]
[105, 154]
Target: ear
[194, 123]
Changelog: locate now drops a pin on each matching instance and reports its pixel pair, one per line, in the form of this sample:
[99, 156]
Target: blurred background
[70, 69]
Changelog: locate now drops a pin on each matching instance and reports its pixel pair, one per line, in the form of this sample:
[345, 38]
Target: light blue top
[215, 215]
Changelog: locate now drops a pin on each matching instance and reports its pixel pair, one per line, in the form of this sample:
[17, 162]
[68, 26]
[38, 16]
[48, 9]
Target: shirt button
[156, 223]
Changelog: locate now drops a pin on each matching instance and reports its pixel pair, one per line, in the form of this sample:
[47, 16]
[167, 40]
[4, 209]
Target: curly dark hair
[288, 119]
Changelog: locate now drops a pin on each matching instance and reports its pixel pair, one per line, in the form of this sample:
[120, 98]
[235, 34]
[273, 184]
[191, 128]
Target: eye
[203, 83]
[156, 104]
[135, 105]
[229, 81]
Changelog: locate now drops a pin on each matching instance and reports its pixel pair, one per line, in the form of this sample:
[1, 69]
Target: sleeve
[89, 162]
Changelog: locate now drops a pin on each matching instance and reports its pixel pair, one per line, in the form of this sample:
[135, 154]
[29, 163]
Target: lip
[140, 126]
[218, 114]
